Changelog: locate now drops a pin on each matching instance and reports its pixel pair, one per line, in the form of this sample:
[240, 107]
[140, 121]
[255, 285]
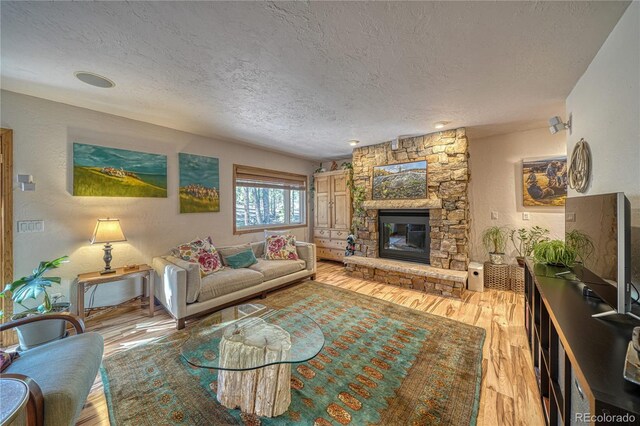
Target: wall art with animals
[544, 181]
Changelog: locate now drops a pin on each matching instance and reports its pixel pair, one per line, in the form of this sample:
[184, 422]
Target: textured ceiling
[306, 77]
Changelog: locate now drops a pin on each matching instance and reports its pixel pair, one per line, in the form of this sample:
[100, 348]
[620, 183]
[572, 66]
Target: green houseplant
[526, 239]
[33, 287]
[555, 253]
[494, 240]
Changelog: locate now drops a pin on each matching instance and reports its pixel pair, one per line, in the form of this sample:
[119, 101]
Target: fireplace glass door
[404, 235]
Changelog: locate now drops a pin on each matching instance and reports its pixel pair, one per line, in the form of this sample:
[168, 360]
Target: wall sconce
[26, 183]
[556, 125]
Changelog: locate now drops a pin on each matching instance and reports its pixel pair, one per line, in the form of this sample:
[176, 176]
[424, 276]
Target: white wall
[43, 135]
[496, 184]
[605, 110]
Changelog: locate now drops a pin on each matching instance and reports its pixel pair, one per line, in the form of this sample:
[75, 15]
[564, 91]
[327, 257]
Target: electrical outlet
[25, 226]
[526, 216]
[494, 215]
[570, 217]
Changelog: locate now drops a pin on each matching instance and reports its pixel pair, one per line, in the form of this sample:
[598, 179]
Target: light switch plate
[25, 178]
[494, 215]
[25, 226]
[526, 216]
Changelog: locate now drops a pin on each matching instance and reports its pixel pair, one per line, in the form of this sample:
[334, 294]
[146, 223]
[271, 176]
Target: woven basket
[496, 276]
[517, 278]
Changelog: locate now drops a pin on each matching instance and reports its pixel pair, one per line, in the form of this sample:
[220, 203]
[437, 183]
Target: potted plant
[494, 240]
[555, 253]
[32, 287]
[525, 240]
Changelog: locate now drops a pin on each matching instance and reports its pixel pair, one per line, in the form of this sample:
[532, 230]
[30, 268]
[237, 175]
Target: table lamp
[107, 231]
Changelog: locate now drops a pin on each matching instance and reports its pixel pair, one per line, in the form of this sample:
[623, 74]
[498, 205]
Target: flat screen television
[605, 219]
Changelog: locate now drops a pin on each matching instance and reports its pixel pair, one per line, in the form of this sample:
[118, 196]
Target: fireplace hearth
[404, 235]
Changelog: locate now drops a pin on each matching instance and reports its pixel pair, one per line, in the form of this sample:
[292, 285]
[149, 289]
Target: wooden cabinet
[578, 360]
[332, 219]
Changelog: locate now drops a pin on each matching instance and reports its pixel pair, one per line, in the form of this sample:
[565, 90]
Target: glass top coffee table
[253, 348]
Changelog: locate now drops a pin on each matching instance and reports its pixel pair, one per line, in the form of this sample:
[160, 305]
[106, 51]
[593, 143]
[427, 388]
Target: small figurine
[351, 245]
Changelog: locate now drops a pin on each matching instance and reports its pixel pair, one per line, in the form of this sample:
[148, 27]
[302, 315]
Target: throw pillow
[281, 247]
[243, 259]
[202, 252]
[6, 358]
[270, 233]
[225, 252]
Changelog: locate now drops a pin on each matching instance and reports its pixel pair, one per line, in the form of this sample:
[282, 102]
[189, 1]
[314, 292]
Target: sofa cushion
[65, 371]
[232, 250]
[258, 248]
[228, 281]
[193, 277]
[272, 269]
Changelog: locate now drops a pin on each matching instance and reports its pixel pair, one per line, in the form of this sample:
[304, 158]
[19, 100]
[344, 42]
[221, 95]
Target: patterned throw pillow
[280, 247]
[6, 358]
[202, 252]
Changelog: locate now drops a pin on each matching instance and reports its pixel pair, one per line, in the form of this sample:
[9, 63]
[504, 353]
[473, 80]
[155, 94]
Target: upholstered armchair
[59, 374]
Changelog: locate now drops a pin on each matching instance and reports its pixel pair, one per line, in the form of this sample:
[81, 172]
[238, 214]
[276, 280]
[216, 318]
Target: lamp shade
[108, 231]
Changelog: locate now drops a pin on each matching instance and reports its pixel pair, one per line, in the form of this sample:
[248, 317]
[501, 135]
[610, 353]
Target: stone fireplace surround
[446, 154]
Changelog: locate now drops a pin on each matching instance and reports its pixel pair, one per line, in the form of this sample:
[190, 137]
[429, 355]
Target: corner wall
[605, 110]
[496, 184]
[43, 135]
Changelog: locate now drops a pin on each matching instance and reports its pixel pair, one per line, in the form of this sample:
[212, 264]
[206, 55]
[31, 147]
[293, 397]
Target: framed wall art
[544, 181]
[100, 171]
[400, 181]
[199, 183]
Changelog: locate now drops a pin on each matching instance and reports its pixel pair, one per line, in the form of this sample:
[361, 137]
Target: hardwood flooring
[509, 395]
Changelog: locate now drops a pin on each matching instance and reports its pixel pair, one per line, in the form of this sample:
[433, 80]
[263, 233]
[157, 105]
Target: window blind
[262, 178]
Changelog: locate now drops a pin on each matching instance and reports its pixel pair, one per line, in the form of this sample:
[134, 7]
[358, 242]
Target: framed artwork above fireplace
[400, 181]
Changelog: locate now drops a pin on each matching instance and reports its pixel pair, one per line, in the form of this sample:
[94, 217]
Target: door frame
[6, 219]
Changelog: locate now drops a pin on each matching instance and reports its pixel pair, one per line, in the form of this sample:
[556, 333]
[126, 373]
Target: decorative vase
[496, 258]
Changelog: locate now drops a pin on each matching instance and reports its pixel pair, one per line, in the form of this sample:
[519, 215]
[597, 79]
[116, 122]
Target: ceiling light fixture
[556, 125]
[93, 79]
[440, 124]
[353, 142]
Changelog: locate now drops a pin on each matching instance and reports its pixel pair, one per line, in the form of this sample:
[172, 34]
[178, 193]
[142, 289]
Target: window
[267, 199]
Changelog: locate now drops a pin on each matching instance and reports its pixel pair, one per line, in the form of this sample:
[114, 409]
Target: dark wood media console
[579, 360]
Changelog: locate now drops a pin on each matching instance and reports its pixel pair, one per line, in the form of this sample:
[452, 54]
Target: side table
[95, 278]
[14, 395]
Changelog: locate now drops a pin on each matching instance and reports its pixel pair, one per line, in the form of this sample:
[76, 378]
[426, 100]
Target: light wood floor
[509, 394]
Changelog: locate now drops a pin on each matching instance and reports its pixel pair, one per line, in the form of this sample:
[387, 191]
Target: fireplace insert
[404, 235]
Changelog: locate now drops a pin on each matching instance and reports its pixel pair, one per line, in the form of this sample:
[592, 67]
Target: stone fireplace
[446, 154]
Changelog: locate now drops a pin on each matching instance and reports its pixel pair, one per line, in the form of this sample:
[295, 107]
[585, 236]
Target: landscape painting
[199, 183]
[544, 181]
[400, 181]
[100, 171]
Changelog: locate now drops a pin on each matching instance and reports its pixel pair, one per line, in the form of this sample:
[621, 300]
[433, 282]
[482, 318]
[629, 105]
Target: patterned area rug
[382, 364]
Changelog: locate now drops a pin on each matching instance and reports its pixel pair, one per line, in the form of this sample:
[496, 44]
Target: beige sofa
[184, 294]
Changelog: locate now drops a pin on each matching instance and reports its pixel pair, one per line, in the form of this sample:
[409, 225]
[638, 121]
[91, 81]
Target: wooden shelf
[593, 349]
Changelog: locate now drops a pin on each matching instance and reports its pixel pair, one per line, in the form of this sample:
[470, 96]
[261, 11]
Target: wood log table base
[264, 391]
